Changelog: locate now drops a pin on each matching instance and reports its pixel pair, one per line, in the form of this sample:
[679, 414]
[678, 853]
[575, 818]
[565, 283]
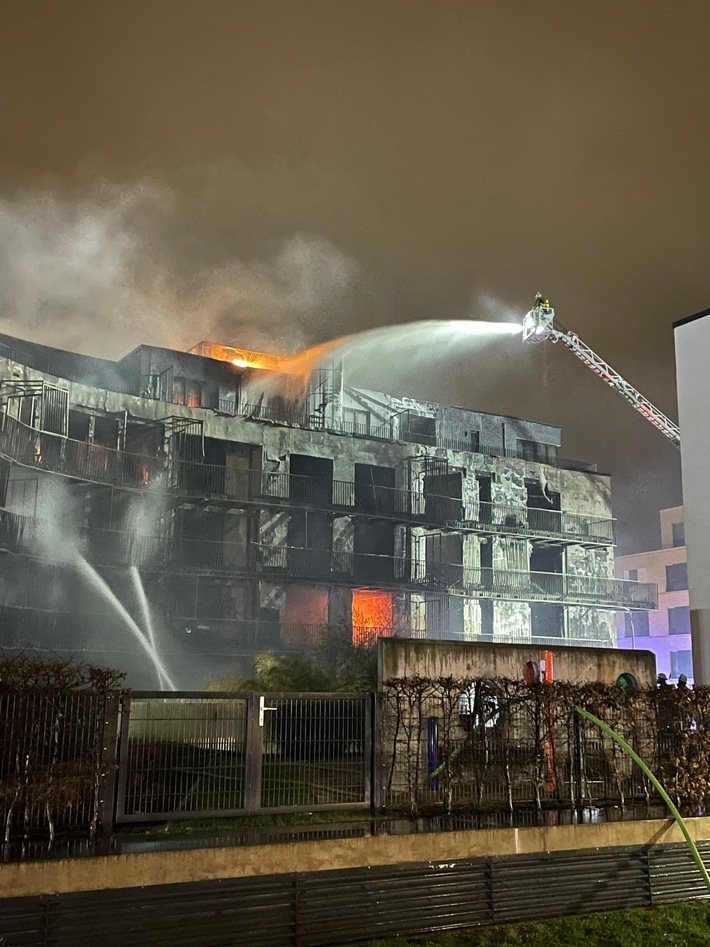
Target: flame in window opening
[371, 616]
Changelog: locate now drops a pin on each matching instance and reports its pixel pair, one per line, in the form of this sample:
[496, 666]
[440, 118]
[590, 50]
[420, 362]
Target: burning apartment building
[177, 505]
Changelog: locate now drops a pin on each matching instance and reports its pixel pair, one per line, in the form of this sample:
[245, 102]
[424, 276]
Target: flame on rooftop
[241, 358]
[291, 373]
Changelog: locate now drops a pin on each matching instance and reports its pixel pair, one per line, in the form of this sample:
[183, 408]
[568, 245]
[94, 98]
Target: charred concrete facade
[171, 494]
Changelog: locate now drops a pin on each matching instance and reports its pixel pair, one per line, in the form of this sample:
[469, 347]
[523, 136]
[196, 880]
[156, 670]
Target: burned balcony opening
[544, 509]
[374, 490]
[215, 540]
[487, 619]
[305, 616]
[194, 394]
[373, 545]
[417, 429]
[443, 616]
[79, 426]
[311, 480]
[186, 447]
[485, 498]
[442, 492]
[444, 560]
[211, 615]
[535, 451]
[547, 620]
[107, 433]
[310, 544]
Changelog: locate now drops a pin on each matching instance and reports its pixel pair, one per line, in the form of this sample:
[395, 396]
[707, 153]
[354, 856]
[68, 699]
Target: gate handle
[263, 709]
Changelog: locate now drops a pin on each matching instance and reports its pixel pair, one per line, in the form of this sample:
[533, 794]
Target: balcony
[20, 534]
[98, 464]
[291, 416]
[78, 459]
[295, 416]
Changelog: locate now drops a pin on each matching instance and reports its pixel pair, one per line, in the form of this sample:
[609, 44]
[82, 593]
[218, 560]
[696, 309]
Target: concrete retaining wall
[401, 657]
[100, 873]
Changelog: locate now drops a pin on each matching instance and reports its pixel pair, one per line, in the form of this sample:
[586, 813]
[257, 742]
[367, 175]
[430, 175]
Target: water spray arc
[539, 325]
[163, 679]
[413, 344]
[103, 588]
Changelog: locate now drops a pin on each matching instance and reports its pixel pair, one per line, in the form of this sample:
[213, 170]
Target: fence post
[372, 744]
[578, 788]
[108, 775]
[254, 756]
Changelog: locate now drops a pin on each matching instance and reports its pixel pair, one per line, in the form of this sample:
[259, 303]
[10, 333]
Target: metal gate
[196, 755]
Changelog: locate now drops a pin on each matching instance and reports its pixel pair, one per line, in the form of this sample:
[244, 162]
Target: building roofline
[687, 319]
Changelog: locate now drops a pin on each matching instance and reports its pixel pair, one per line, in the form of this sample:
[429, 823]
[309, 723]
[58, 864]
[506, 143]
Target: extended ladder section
[615, 381]
[538, 326]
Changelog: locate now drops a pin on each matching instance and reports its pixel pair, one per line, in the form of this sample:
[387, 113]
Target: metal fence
[497, 745]
[56, 752]
[347, 905]
[197, 755]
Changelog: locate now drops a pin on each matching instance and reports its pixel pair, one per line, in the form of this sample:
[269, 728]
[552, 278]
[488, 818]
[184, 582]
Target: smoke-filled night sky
[279, 173]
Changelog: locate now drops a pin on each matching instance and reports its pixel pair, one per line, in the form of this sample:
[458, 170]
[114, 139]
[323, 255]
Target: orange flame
[371, 615]
[290, 374]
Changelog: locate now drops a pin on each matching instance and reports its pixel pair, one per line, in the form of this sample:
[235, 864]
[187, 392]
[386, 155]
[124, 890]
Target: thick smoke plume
[105, 272]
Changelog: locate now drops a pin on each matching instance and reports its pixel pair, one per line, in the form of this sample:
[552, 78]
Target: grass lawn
[678, 925]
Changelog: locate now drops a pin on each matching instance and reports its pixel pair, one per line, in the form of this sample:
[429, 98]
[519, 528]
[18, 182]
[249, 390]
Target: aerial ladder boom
[538, 326]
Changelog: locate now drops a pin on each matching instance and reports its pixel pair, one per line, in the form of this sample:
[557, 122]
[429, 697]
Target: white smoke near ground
[103, 273]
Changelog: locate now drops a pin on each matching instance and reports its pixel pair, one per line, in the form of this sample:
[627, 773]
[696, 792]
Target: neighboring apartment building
[665, 631]
[181, 496]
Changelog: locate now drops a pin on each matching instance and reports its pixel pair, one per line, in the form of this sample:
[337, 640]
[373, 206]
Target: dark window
[681, 663]
[679, 620]
[418, 430]
[374, 489]
[486, 605]
[78, 426]
[633, 575]
[532, 450]
[106, 432]
[636, 624]
[679, 534]
[311, 480]
[677, 577]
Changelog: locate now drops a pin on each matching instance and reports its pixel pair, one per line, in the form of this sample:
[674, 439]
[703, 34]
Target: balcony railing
[116, 548]
[76, 631]
[98, 464]
[226, 637]
[294, 415]
[62, 455]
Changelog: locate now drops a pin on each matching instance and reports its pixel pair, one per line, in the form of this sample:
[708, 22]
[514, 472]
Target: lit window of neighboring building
[679, 620]
[677, 577]
[681, 663]
[679, 534]
[636, 624]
